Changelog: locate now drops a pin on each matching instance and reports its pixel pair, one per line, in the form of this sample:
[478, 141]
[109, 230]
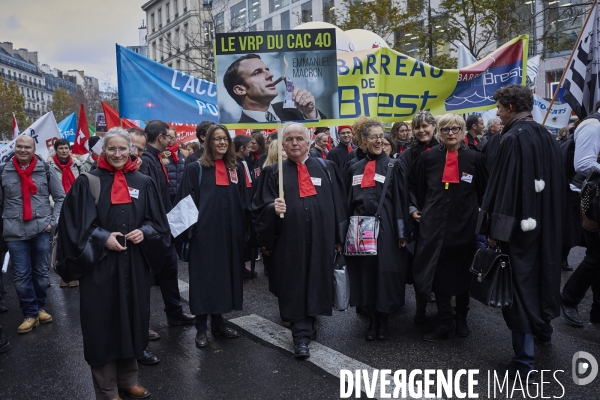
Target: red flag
[15, 127]
[112, 118]
[83, 134]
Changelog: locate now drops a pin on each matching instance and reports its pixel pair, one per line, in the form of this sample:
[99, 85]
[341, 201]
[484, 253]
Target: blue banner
[68, 127]
[149, 90]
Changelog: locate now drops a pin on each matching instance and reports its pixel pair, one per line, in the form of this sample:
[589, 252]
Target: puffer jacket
[175, 172]
[11, 202]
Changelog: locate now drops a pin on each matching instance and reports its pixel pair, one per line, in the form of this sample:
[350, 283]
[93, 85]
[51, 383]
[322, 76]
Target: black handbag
[492, 283]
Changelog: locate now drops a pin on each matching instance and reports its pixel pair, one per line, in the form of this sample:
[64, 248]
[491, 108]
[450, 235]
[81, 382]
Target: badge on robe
[233, 175]
[256, 172]
[467, 177]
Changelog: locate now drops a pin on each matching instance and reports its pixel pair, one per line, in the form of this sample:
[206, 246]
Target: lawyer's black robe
[527, 152]
[446, 243]
[217, 241]
[304, 240]
[339, 155]
[378, 282]
[114, 286]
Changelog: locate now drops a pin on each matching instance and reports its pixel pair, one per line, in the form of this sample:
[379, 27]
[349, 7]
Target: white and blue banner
[149, 90]
[559, 114]
[44, 132]
[68, 127]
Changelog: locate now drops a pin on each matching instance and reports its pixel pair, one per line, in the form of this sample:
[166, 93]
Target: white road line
[184, 290]
[322, 356]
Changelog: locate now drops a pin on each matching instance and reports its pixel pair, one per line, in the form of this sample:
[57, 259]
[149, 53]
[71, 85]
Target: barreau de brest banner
[377, 82]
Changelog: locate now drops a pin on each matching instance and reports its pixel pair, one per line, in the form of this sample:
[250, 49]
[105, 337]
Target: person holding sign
[250, 83]
[304, 241]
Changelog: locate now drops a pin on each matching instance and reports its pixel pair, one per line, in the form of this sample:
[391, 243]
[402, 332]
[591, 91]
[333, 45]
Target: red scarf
[67, 175]
[450, 174]
[328, 143]
[27, 186]
[368, 179]
[221, 173]
[119, 193]
[350, 149]
[305, 185]
[163, 166]
[174, 150]
[466, 140]
[247, 174]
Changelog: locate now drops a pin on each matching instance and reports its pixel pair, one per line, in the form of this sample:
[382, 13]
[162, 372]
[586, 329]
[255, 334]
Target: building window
[186, 35]
[254, 10]
[563, 23]
[207, 4]
[328, 11]
[276, 5]
[306, 10]
[238, 15]
[285, 21]
[169, 44]
[268, 26]
[161, 49]
[160, 17]
[220, 23]
[209, 33]
[153, 22]
[252, 28]
[177, 40]
[154, 50]
[178, 65]
[168, 12]
[176, 8]
[184, 5]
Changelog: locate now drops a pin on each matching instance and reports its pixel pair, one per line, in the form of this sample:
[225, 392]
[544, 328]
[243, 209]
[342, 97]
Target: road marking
[323, 357]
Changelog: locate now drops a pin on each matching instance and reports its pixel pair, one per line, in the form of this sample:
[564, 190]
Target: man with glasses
[158, 140]
[339, 154]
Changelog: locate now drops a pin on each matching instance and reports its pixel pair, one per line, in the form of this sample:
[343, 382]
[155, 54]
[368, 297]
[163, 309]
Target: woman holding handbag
[446, 186]
[377, 282]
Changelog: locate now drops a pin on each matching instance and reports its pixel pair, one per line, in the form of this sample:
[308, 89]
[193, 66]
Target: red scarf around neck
[450, 174]
[305, 186]
[27, 186]
[221, 178]
[350, 149]
[119, 193]
[174, 152]
[163, 166]
[67, 175]
[368, 179]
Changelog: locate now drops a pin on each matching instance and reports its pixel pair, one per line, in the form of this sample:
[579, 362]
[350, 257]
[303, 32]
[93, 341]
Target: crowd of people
[439, 187]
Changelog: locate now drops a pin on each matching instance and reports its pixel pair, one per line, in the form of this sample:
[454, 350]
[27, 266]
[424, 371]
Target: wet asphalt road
[48, 363]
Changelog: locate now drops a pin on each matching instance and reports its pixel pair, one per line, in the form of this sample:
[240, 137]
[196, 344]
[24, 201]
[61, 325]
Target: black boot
[384, 329]
[373, 329]
[462, 329]
[442, 330]
[420, 317]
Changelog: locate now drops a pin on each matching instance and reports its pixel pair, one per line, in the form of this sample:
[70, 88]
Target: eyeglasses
[114, 150]
[172, 137]
[220, 139]
[375, 138]
[454, 130]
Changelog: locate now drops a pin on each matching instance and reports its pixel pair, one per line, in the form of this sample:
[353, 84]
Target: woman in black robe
[114, 277]
[446, 186]
[377, 283]
[423, 139]
[217, 240]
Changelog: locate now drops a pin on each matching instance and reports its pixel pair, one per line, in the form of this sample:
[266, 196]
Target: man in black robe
[114, 280]
[304, 241]
[522, 213]
[339, 154]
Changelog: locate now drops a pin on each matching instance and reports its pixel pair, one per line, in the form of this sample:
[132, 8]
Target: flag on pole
[68, 127]
[83, 134]
[465, 57]
[113, 120]
[15, 127]
[581, 78]
[533, 65]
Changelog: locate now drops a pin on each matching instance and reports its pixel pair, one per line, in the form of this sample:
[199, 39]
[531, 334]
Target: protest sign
[44, 132]
[557, 118]
[276, 76]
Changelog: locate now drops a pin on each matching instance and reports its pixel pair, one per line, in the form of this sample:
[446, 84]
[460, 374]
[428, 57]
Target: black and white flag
[581, 79]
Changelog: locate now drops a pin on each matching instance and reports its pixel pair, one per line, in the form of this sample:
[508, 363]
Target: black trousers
[585, 275]
[202, 321]
[302, 330]
[168, 280]
[444, 305]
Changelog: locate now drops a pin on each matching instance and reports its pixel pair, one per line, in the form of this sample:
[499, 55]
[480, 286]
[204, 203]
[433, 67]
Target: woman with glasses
[217, 239]
[400, 134]
[446, 187]
[389, 147]
[377, 282]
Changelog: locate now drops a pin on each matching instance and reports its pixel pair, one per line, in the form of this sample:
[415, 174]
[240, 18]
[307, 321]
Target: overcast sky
[73, 34]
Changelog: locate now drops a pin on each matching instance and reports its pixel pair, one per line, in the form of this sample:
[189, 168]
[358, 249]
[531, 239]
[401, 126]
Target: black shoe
[182, 319]
[361, 311]
[249, 274]
[571, 315]
[441, 332]
[301, 350]
[4, 344]
[511, 370]
[462, 329]
[201, 339]
[566, 267]
[384, 329]
[420, 317]
[431, 298]
[148, 359]
[225, 331]
[373, 329]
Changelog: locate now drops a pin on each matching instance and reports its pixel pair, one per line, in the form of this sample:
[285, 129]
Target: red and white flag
[83, 134]
[15, 127]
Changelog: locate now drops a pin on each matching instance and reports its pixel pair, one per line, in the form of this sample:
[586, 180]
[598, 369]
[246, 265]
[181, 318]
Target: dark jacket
[284, 114]
[152, 166]
[175, 172]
